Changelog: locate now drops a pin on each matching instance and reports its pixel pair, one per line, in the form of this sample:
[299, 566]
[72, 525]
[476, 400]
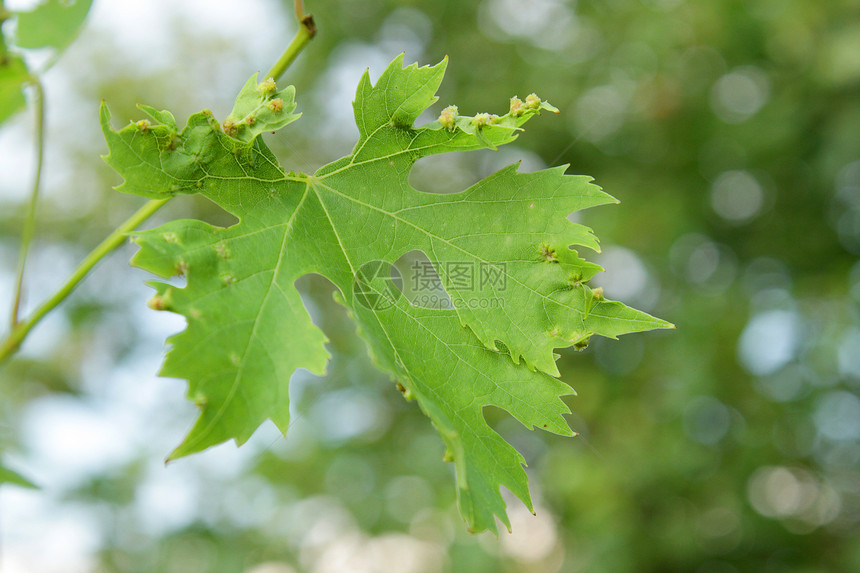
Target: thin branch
[307, 30]
[114, 240]
[30, 219]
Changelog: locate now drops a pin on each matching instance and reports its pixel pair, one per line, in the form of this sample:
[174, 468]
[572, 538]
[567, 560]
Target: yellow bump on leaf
[517, 107]
[222, 250]
[532, 101]
[143, 125]
[447, 117]
[547, 253]
[481, 120]
[230, 127]
[405, 391]
[581, 344]
[161, 301]
[157, 303]
[267, 86]
[276, 105]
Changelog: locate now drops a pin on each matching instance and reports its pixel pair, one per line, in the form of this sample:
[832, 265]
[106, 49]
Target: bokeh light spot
[737, 196]
[769, 341]
[740, 94]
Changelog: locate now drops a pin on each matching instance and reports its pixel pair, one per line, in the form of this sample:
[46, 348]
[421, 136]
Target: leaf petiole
[10, 345]
[30, 220]
[307, 30]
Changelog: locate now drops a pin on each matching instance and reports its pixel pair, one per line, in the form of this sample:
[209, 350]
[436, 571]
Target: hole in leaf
[317, 294]
[502, 348]
[530, 444]
[199, 207]
[421, 284]
[377, 285]
[446, 172]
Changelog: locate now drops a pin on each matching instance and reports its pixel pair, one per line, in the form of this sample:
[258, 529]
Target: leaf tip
[104, 114]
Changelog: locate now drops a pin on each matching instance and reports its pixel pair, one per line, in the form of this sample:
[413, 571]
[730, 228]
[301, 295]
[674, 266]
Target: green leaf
[13, 75]
[52, 24]
[260, 108]
[350, 221]
[10, 477]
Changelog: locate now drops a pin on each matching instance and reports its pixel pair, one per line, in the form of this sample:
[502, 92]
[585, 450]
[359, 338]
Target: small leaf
[11, 477]
[13, 75]
[260, 108]
[52, 24]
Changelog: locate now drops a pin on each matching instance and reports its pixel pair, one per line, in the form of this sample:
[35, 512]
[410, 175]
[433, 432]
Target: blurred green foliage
[730, 131]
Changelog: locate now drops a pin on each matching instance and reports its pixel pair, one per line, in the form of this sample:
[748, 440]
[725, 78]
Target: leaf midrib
[439, 399]
[241, 366]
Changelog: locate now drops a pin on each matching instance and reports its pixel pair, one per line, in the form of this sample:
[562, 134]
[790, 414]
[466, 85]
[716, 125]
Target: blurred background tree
[730, 131]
